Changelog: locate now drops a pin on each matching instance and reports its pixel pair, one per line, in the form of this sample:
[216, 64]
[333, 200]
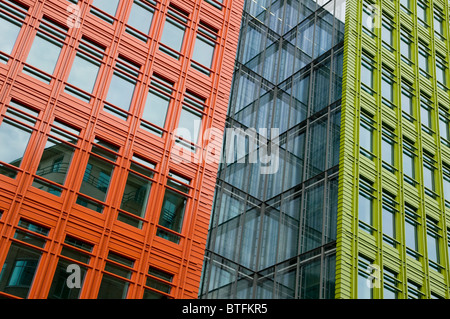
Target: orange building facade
[101, 104]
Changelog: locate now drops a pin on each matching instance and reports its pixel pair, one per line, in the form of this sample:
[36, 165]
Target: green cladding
[394, 181]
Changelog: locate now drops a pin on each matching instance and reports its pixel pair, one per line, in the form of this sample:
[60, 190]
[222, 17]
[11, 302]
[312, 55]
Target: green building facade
[393, 224]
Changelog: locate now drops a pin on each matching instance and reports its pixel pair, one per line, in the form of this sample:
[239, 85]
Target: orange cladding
[108, 142]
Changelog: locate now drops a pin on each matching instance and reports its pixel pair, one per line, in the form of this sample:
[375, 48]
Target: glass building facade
[273, 231]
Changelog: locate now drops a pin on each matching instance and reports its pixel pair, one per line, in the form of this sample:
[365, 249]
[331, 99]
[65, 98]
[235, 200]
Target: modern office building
[101, 102]
[360, 204]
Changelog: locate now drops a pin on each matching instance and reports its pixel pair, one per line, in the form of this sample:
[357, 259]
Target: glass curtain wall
[273, 231]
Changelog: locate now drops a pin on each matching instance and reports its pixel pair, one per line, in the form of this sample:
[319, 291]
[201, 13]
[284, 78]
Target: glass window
[387, 150]
[10, 26]
[158, 284]
[365, 205]
[387, 88]
[414, 290]
[140, 19]
[106, 6]
[411, 231]
[204, 48]
[365, 279]
[84, 70]
[409, 168]
[98, 174]
[446, 178]
[407, 101]
[173, 207]
[367, 73]
[173, 32]
[433, 239]
[391, 284]
[57, 156]
[113, 287]
[386, 33]
[21, 263]
[428, 172]
[366, 136]
[444, 126]
[190, 124]
[438, 22]
[15, 133]
[121, 88]
[405, 47]
[389, 219]
[368, 19]
[45, 50]
[423, 59]
[441, 71]
[422, 13]
[74, 249]
[157, 105]
[137, 192]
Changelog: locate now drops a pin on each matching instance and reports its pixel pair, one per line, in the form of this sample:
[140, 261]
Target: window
[56, 159]
[429, 168]
[173, 208]
[121, 88]
[438, 23]
[365, 278]
[444, 126]
[173, 33]
[368, 19]
[137, 192]
[405, 5]
[105, 9]
[426, 114]
[157, 105]
[73, 252]
[387, 33]
[388, 148]
[422, 13]
[116, 277]
[365, 205]
[405, 46]
[367, 71]
[414, 290]
[391, 284]
[411, 231]
[98, 174]
[409, 167]
[441, 71]
[433, 239]
[22, 261]
[407, 101]
[84, 70]
[12, 16]
[45, 50]
[423, 59]
[190, 124]
[140, 19]
[389, 216]
[204, 48]
[366, 136]
[158, 284]
[16, 130]
[387, 87]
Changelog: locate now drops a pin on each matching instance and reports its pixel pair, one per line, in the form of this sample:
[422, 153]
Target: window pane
[136, 194]
[120, 91]
[203, 51]
[433, 247]
[366, 75]
[190, 122]
[172, 211]
[44, 54]
[9, 29]
[365, 138]
[156, 108]
[108, 6]
[408, 165]
[55, 161]
[388, 222]
[364, 291]
[18, 270]
[365, 209]
[59, 288]
[411, 235]
[112, 288]
[387, 151]
[83, 73]
[97, 178]
[13, 143]
[428, 177]
[140, 17]
[173, 34]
